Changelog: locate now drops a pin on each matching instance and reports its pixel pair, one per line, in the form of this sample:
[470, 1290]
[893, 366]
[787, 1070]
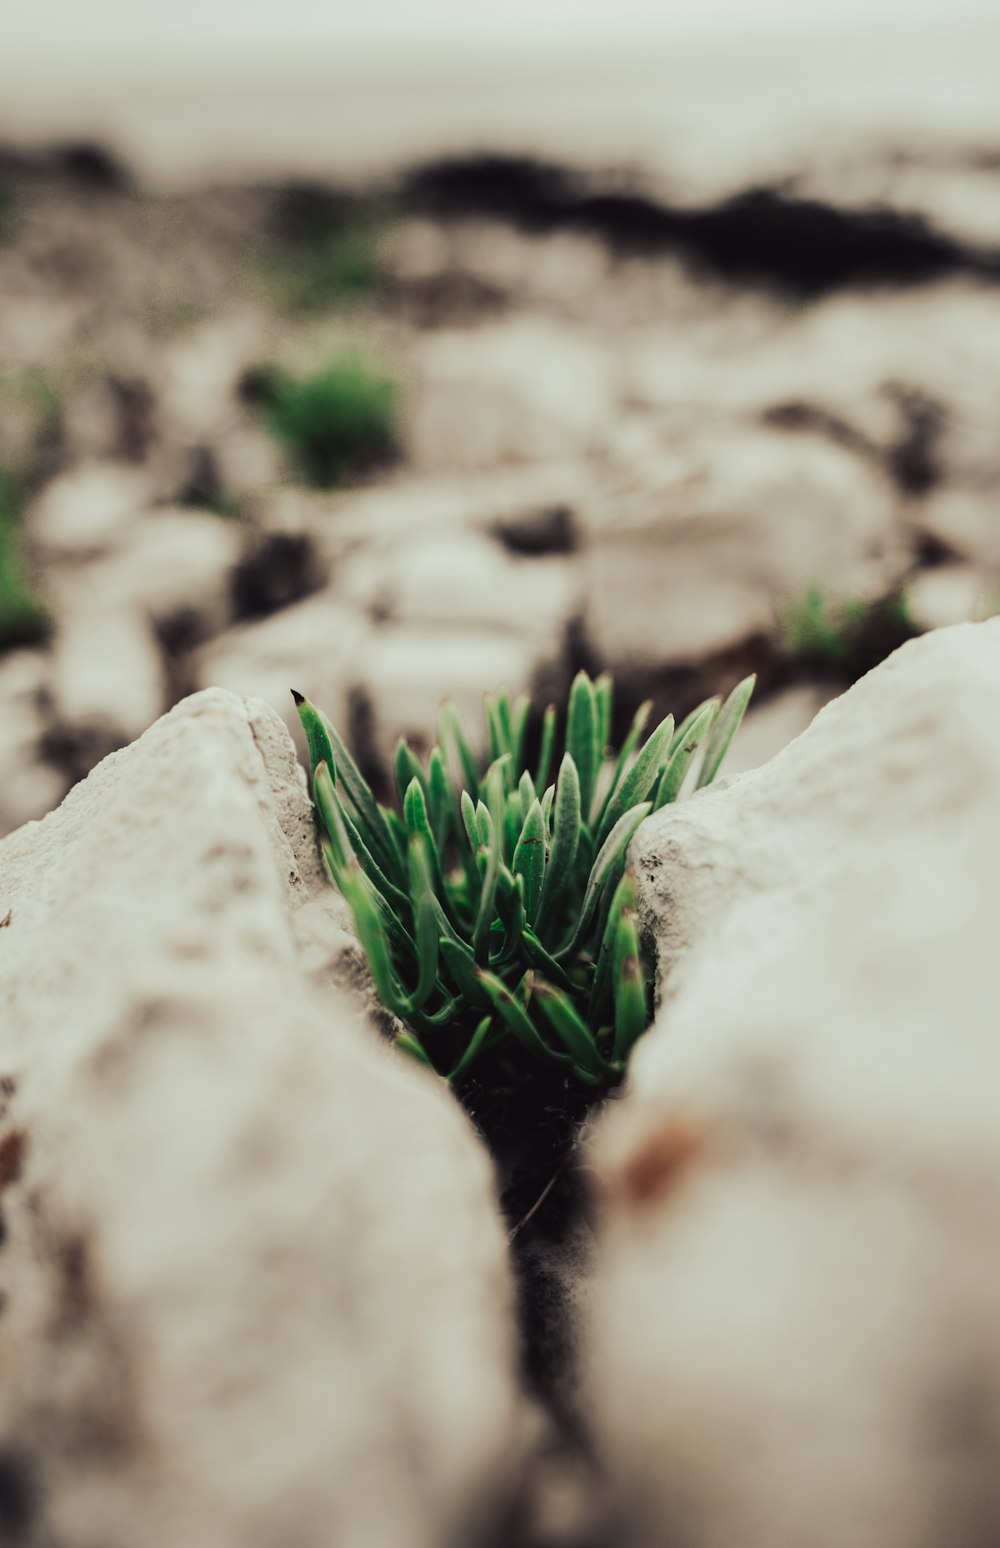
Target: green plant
[335, 424]
[23, 620]
[343, 268]
[496, 909]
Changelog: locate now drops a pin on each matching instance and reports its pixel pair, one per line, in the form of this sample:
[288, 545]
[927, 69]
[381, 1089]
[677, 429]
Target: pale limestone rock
[254, 1283]
[87, 510]
[796, 1334]
[694, 553]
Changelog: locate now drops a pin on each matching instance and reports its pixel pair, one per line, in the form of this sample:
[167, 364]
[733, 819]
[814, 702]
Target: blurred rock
[514, 392]
[174, 566]
[464, 579]
[796, 1336]
[107, 682]
[964, 522]
[951, 594]
[88, 509]
[693, 553]
[408, 670]
[224, 1200]
[29, 787]
[316, 647]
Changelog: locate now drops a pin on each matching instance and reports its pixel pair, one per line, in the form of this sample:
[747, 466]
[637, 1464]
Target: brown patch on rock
[13, 1149]
[658, 1166]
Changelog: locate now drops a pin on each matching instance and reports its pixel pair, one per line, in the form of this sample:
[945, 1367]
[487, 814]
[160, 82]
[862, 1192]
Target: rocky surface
[634, 432]
[253, 1283]
[794, 1326]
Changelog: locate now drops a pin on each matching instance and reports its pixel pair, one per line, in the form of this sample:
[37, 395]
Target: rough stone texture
[254, 1288]
[797, 1333]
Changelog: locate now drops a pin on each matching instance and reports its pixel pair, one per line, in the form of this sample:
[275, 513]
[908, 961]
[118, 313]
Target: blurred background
[406, 351]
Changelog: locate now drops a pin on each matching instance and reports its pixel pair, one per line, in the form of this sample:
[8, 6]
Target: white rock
[964, 520]
[797, 1333]
[107, 675]
[87, 510]
[174, 566]
[693, 553]
[410, 669]
[255, 1287]
[951, 594]
[315, 647]
[29, 787]
[512, 392]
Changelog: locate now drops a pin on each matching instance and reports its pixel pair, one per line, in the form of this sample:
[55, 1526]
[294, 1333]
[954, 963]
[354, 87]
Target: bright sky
[45, 35]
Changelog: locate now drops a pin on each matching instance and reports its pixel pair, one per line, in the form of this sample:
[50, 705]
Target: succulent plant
[497, 910]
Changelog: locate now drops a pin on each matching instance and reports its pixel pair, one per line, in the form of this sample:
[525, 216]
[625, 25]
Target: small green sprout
[23, 620]
[495, 905]
[336, 424]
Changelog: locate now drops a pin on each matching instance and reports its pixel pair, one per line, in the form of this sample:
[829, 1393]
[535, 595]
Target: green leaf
[604, 696]
[371, 933]
[409, 1045]
[475, 1047]
[572, 1030]
[547, 800]
[517, 1019]
[519, 728]
[628, 747]
[641, 777]
[370, 818]
[689, 720]
[726, 727]
[453, 732]
[601, 992]
[469, 821]
[631, 1009]
[484, 916]
[526, 793]
[441, 798]
[425, 912]
[565, 837]
[494, 727]
[547, 748]
[337, 821]
[683, 755]
[461, 964]
[582, 735]
[529, 858]
[317, 738]
[406, 766]
[542, 959]
[610, 855]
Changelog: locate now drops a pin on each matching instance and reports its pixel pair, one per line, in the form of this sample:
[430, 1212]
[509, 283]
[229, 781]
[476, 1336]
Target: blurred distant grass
[336, 424]
[324, 248]
[843, 639]
[23, 619]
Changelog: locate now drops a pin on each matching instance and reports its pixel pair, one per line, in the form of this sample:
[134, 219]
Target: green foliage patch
[338, 423]
[495, 906]
[23, 619]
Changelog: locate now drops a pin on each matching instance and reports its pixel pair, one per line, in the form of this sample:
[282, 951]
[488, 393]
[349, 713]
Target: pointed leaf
[529, 858]
[726, 727]
[518, 1020]
[641, 777]
[610, 857]
[582, 734]
[565, 836]
[548, 745]
[453, 732]
[631, 1009]
[683, 755]
[406, 766]
[604, 696]
[571, 1029]
[317, 740]
[689, 720]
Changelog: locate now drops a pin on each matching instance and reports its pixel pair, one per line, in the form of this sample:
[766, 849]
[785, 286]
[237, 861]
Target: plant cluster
[496, 908]
[335, 424]
[23, 620]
